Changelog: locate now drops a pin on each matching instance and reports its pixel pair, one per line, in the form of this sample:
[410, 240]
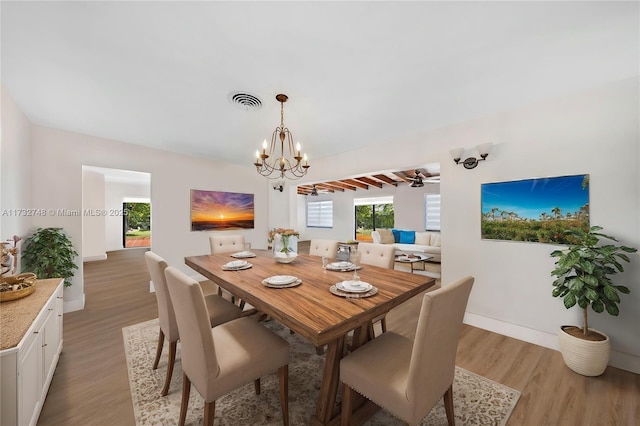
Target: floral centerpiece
[283, 235]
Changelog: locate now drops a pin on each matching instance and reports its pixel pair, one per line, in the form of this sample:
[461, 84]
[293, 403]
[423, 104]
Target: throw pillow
[396, 235]
[407, 237]
[386, 236]
[422, 238]
[435, 240]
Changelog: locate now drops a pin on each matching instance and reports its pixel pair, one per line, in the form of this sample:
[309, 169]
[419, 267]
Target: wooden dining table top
[310, 309]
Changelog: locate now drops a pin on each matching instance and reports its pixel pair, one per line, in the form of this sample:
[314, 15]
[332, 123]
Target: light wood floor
[90, 386]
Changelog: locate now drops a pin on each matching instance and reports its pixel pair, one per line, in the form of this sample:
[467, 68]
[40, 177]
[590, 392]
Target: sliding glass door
[372, 214]
[136, 225]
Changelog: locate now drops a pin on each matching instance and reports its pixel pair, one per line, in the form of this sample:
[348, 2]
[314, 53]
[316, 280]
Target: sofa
[427, 243]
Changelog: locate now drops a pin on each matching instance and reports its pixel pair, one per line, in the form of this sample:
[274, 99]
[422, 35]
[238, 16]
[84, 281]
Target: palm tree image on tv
[535, 210]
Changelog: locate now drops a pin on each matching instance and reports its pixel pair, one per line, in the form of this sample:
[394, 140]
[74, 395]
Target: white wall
[595, 132]
[93, 200]
[59, 156]
[115, 194]
[15, 170]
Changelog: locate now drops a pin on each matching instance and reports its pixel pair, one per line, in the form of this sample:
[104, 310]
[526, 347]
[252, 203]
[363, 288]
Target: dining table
[312, 308]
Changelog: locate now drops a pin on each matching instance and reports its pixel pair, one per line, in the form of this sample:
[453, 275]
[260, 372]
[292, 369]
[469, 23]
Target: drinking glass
[325, 261]
[355, 259]
[247, 246]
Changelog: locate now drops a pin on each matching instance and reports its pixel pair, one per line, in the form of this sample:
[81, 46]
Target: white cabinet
[28, 368]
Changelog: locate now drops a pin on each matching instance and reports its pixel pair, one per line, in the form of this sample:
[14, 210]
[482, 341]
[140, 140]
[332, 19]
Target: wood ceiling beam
[386, 179]
[328, 187]
[369, 181]
[403, 176]
[341, 185]
[355, 183]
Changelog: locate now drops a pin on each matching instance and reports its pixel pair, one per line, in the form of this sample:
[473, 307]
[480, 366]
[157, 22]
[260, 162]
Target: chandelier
[273, 163]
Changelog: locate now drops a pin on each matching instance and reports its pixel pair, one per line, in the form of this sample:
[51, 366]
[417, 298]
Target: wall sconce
[471, 162]
[278, 185]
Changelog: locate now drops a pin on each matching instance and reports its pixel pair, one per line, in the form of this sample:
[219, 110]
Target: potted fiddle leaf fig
[49, 253]
[583, 277]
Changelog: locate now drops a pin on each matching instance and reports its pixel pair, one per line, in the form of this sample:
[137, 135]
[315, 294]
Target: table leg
[330, 382]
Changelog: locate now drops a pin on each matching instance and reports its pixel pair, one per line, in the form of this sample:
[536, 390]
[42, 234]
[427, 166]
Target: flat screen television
[535, 210]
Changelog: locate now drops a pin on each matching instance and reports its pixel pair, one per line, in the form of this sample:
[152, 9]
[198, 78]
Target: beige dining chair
[221, 243]
[220, 359]
[323, 248]
[403, 319]
[226, 243]
[218, 310]
[416, 373]
[382, 255]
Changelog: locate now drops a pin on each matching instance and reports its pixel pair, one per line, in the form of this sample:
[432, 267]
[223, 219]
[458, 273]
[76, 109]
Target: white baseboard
[73, 305]
[620, 360]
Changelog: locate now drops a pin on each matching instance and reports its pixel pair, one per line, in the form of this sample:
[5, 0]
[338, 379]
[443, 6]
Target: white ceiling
[358, 73]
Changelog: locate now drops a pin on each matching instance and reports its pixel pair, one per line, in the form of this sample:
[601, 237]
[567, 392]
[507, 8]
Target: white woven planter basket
[583, 356]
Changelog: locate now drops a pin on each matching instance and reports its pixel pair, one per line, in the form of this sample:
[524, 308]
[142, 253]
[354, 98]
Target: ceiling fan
[416, 181]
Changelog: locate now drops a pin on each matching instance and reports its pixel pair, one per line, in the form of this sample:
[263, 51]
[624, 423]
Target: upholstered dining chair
[416, 373]
[324, 248]
[382, 255]
[232, 243]
[218, 311]
[220, 359]
[226, 243]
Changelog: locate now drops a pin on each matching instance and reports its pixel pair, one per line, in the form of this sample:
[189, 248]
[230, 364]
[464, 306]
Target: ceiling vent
[245, 101]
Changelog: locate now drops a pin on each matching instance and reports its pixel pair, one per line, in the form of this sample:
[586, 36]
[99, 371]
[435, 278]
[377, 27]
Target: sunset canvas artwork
[216, 210]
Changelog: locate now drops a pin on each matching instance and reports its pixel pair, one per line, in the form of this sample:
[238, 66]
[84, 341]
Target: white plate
[341, 265]
[281, 279]
[243, 254]
[235, 264]
[354, 286]
[241, 268]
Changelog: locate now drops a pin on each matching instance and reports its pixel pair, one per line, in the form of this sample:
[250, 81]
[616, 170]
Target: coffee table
[412, 259]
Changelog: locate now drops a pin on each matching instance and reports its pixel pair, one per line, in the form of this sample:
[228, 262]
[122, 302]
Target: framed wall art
[535, 210]
[217, 210]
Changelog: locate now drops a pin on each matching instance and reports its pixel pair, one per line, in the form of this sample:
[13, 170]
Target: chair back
[382, 255]
[156, 266]
[325, 248]
[433, 358]
[199, 360]
[226, 243]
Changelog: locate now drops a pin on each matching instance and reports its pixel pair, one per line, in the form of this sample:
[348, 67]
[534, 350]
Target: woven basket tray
[17, 286]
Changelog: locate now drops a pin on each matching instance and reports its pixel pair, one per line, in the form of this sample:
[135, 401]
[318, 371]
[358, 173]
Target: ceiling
[160, 74]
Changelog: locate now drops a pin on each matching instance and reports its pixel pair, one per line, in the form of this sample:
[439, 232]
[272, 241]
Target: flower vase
[285, 244]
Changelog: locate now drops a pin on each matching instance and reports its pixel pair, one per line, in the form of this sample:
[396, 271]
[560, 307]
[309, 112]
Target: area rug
[477, 400]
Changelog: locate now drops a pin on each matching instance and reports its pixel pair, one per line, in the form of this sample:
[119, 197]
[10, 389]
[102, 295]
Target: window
[432, 209]
[372, 214]
[320, 214]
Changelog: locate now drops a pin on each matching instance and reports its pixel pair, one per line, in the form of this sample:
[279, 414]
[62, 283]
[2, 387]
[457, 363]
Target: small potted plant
[583, 277]
[48, 253]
